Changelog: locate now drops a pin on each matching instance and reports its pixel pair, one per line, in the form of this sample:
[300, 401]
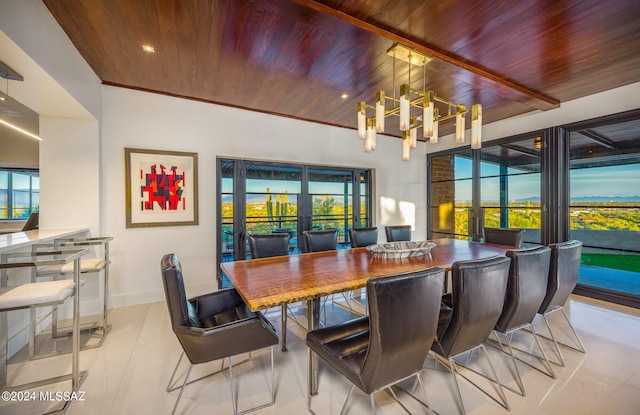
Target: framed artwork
[162, 188]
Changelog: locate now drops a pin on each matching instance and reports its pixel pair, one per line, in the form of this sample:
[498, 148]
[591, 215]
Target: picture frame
[161, 188]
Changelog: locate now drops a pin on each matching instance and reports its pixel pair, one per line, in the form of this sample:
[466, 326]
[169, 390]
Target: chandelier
[433, 109]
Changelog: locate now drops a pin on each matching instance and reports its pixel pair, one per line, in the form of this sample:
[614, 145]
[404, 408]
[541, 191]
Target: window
[19, 193]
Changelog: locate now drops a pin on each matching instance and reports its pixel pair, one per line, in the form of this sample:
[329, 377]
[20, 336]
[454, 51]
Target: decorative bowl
[404, 249]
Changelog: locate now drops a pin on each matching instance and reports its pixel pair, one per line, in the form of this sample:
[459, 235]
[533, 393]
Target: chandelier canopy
[432, 109]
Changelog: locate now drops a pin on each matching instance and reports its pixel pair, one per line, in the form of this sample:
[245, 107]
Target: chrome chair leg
[186, 378]
[551, 373]
[234, 396]
[232, 385]
[497, 380]
[346, 402]
[454, 372]
[169, 389]
[556, 343]
[517, 376]
[494, 379]
[581, 349]
[424, 392]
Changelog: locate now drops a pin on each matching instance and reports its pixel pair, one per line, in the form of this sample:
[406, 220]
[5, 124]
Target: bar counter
[11, 242]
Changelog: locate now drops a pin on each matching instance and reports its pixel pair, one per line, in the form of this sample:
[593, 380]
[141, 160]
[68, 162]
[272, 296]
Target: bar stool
[40, 294]
[87, 266]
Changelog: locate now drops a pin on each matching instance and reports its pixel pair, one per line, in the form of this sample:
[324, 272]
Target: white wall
[141, 120]
[69, 174]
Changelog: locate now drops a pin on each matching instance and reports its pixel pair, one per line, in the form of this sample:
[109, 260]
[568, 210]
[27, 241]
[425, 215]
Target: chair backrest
[316, 241]
[502, 236]
[563, 274]
[398, 233]
[361, 237]
[268, 245]
[181, 311]
[478, 288]
[32, 223]
[403, 318]
[526, 287]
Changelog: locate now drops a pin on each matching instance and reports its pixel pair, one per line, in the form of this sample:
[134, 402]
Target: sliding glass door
[271, 200]
[577, 181]
[510, 186]
[257, 197]
[331, 198]
[450, 205]
[497, 186]
[605, 206]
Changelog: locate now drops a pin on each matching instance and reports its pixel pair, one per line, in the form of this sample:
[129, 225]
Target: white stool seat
[86, 265]
[35, 294]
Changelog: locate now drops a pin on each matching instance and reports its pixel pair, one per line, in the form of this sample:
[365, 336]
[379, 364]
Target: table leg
[284, 328]
[313, 319]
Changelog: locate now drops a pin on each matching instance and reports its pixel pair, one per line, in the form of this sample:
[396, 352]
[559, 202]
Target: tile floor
[129, 373]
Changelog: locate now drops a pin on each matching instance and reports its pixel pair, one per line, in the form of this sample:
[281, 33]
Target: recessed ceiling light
[148, 48]
[344, 96]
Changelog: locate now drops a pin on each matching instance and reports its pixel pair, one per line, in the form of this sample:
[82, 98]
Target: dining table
[269, 282]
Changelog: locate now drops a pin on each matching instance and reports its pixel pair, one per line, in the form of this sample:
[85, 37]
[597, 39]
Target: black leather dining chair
[526, 288]
[32, 222]
[469, 313]
[398, 233]
[362, 237]
[213, 326]
[318, 241]
[563, 277]
[376, 352]
[504, 236]
[270, 245]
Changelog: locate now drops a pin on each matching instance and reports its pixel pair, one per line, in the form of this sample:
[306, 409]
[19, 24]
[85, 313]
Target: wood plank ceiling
[296, 58]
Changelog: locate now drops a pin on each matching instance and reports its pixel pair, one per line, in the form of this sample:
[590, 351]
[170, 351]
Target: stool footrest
[93, 329]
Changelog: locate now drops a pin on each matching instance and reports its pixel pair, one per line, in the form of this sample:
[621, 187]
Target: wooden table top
[269, 282]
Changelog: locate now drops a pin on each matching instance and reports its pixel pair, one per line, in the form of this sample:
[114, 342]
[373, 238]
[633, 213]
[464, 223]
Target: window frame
[33, 207]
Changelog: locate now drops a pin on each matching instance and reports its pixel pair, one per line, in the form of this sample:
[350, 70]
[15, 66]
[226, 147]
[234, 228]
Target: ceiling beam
[522, 150]
[603, 141]
[7, 72]
[540, 101]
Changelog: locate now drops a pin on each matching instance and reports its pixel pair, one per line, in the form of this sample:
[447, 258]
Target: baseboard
[608, 295]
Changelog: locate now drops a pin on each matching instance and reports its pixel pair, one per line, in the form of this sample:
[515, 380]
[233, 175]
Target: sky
[611, 181]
